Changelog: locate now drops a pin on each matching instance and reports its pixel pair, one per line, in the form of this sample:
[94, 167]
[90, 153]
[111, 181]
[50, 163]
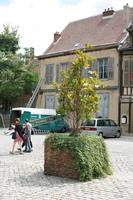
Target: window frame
[63, 66]
[50, 95]
[107, 68]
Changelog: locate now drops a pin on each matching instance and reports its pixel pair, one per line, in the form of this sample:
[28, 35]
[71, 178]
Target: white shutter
[110, 68]
[103, 105]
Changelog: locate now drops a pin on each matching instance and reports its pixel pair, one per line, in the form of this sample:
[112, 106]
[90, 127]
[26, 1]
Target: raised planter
[59, 163]
[83, 157]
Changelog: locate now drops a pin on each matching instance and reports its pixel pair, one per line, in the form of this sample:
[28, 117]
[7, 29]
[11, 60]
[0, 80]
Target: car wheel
[100, 134]
[118, 135]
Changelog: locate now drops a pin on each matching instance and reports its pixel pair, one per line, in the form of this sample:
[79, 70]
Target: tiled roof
[95, 30]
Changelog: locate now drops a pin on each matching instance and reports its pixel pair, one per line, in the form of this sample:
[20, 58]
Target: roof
[94, 30]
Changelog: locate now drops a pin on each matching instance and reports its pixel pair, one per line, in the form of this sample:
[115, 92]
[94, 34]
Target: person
[27, 134]
[18, 136]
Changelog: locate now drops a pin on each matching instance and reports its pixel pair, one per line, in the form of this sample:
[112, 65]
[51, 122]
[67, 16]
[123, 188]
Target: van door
[25, 115]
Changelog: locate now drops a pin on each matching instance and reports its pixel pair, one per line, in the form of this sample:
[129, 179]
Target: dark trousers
[25, 142]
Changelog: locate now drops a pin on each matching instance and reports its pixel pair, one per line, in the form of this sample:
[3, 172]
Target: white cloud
[38, 20]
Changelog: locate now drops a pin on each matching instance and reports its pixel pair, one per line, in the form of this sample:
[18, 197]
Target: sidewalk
[22, 176]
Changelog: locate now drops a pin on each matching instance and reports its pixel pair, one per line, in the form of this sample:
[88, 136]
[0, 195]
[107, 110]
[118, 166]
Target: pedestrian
[27, 135]
[17, 136]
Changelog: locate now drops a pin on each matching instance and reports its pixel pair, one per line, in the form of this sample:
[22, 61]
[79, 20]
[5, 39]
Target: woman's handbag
[14, 135]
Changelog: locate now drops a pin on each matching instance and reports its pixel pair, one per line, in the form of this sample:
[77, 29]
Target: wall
[111, 84]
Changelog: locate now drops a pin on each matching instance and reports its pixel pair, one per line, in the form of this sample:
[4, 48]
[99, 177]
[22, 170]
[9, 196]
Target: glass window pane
[90, 123]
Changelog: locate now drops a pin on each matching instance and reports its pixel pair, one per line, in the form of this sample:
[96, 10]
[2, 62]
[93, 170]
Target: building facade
[107, 33]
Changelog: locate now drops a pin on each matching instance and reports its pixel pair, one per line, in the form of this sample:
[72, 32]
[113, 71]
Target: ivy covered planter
[84, 157]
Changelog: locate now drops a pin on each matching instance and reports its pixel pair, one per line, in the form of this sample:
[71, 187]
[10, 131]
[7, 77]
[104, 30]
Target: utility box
[124, 119]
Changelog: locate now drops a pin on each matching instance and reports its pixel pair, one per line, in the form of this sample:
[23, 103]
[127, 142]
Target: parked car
[101, 127]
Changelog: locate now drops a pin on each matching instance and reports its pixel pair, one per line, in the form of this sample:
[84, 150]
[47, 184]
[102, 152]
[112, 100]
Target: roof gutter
[72, 51]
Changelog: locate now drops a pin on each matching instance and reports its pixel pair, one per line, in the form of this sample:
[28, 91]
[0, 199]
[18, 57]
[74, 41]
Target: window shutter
[58, 73]
[59, 68]
[126, 73]
[110, 68]
[50, 102]
[131, 73]
[85, 72]
[46, 74]
[49, 73]
[95, 67]
[69, 64]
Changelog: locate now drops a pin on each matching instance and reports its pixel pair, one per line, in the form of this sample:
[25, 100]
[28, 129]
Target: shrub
[90, 153]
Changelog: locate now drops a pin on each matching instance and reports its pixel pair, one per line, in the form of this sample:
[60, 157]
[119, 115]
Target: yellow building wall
[113, 93]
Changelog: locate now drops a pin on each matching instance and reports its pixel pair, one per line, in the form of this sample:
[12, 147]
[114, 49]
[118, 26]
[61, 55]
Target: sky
[38, 20]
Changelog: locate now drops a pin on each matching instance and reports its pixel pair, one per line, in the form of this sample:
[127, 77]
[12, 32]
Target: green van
[41, 119]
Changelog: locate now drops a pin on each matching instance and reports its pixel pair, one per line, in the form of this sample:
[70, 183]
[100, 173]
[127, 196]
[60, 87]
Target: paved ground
[22, 177]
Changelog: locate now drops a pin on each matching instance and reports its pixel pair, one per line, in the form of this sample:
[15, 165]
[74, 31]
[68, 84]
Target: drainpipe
[120, 80]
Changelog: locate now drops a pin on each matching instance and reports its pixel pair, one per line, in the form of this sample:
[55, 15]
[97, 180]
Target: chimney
[108, 13]
[56, 36]
[126, 16]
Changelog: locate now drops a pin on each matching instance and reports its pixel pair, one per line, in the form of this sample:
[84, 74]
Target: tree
[9, 40]
[77, 94]
[16, 76]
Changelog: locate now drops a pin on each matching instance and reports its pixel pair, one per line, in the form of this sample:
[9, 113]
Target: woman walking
[18, 136]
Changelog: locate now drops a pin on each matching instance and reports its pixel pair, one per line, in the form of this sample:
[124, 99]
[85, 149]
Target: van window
[107, 122]
[90, 123]
[100, 122]
[112, 123]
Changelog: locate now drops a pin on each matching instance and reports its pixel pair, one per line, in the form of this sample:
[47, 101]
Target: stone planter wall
[59, 163]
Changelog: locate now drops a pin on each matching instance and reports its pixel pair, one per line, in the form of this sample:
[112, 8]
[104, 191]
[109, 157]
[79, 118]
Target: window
[128, 72]
[49, 73]
[50, 101]
[106, 122]
[100, 123]
[90, 123]
[104, 68]
[59, 68]
[112, 123]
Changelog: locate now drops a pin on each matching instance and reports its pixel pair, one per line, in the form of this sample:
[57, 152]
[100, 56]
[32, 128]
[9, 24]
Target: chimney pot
[108, 12]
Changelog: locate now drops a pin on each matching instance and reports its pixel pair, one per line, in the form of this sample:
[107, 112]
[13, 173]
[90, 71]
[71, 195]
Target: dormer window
[130, 30]
[77, 44]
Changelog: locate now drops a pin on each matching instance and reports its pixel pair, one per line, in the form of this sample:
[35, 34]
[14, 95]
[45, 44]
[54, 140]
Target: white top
[39, 111]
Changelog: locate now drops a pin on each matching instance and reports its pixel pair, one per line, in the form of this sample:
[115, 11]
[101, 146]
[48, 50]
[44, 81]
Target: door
[24, 116]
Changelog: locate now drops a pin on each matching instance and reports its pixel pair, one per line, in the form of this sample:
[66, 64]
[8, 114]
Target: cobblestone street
[22, 176]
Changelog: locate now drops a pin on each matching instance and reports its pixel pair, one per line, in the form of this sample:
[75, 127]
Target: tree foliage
[9, 40]
[16, 77]
[77, 93]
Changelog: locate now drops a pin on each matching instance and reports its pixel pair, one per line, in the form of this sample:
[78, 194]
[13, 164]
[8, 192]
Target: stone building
[111, 37]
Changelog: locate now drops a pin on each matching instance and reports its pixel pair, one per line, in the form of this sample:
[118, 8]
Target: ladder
[31, 100]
